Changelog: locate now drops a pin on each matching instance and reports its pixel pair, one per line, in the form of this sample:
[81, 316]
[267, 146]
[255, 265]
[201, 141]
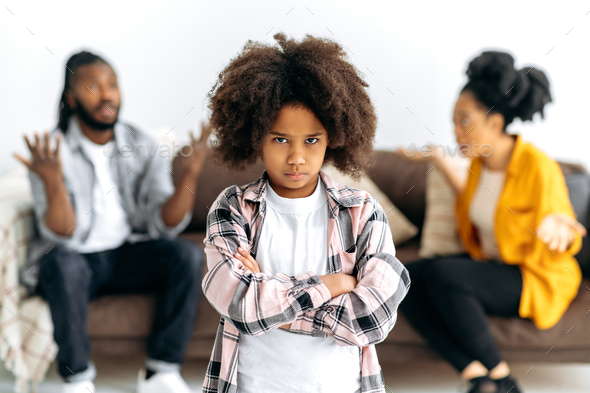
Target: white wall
[168, 54]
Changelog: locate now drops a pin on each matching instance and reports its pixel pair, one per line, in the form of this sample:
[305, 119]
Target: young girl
[302, 269]
[514, 214]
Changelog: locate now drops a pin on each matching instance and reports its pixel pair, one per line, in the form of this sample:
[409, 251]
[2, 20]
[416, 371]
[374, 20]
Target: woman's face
[474, 126]
[293, 152]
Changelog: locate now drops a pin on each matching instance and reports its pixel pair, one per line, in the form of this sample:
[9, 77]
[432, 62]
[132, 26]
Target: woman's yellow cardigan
[534, 187]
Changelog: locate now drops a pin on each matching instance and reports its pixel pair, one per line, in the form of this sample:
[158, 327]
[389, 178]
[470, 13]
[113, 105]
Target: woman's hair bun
[504, 89]
[538, 95]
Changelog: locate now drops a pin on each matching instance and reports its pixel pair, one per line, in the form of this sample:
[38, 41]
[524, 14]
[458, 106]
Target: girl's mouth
[295, 176]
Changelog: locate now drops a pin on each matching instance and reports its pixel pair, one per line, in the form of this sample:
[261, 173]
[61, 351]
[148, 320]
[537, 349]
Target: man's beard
[87, 118]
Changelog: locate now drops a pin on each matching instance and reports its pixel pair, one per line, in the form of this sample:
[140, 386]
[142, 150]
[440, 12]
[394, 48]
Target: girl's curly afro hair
[313, 73]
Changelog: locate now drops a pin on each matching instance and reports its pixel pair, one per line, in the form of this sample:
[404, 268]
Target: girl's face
[293, 152]
[473, 126]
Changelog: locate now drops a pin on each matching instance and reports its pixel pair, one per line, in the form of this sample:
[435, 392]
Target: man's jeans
[172, 269]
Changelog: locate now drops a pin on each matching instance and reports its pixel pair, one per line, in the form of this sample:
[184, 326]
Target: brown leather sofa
[118, 325]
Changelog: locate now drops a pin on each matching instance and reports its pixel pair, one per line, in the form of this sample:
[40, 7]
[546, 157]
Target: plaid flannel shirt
[360, 244]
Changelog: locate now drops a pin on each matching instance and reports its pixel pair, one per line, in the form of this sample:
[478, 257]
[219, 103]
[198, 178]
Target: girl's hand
[251, 265]
[557, 231]
[249, 262]
[339, 283]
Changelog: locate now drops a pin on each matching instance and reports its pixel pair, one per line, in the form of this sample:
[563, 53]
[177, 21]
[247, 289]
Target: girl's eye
[277, 139]
[464, 122]
[314, 140]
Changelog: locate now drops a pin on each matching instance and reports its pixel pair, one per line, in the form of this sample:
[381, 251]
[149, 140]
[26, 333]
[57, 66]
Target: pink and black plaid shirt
[359, 244]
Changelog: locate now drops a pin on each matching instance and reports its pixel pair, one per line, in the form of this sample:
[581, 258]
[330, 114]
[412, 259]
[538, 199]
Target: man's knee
[63, 267]
[188, 259]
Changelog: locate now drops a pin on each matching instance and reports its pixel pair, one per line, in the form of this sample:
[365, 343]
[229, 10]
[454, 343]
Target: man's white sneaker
[79, 387]
[162, 382]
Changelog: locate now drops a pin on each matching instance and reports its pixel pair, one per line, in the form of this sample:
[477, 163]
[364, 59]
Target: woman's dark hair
[76, 61]
[503, 89]
[312, 73]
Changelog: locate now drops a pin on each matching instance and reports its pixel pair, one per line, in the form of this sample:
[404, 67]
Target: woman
[516, 225]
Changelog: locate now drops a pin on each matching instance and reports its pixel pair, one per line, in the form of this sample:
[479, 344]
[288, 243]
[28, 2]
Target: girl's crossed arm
[337, 283]
[365, 315]
[255, 303]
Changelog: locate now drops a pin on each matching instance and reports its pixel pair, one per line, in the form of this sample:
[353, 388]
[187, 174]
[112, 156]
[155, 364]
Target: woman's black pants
[449, 301]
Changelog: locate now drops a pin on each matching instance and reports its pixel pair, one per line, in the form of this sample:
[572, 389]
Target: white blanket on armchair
[27, 348]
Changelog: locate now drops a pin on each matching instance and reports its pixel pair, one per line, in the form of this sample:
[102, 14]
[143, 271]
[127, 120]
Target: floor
[117, 375]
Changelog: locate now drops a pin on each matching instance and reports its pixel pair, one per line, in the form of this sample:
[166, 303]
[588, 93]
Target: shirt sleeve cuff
[576, 244]
[161, 227]
[299, 325]
[306, 323]
[317, 291]
[51, 236]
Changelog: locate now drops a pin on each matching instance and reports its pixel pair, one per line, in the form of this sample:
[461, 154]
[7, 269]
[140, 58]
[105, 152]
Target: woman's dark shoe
[507, 385]
[482, 385]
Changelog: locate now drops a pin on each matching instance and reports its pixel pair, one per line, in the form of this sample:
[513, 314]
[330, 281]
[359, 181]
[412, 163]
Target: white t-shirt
[294, 240]
[110, 227]
[482, 211]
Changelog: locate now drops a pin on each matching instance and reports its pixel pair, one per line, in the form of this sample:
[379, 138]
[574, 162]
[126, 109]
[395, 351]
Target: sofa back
[393, 174]
[213, 180]
[401, 179]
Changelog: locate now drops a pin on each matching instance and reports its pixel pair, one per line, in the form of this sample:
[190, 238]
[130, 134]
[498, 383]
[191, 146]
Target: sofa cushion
[440, 234]
[579, 192]
[401, 229]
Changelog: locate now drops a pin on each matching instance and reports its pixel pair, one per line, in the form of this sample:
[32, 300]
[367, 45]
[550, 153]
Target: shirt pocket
[524, 213]
[347, 261]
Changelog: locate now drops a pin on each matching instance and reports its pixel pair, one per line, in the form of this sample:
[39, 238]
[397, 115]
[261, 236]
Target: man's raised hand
[193, 163]
[44, 162]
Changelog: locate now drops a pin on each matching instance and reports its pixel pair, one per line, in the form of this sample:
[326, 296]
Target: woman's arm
[443, 162]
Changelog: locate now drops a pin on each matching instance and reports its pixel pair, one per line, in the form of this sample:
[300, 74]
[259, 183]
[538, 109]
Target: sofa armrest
[16, 216]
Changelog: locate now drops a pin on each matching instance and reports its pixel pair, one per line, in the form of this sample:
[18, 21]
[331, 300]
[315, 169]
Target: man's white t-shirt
[110, 226]
[294, 240]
